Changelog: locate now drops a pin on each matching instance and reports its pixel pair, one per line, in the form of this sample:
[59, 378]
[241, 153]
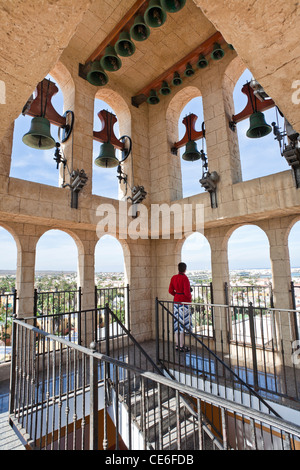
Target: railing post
[253, 346]
[157, 330]
[94, 434]
[128, 307]
[13, 366]
[106, 316]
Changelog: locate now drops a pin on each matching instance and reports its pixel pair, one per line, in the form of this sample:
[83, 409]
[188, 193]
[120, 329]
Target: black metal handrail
[52, 398]
[171, 361]
[8, 302]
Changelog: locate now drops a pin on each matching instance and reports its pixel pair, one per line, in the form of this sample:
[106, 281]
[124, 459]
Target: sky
[56, 250]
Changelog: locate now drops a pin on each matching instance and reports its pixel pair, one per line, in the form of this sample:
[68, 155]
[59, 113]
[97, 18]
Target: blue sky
[248, 247]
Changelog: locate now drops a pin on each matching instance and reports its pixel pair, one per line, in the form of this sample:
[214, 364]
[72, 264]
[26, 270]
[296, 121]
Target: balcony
[101, 389]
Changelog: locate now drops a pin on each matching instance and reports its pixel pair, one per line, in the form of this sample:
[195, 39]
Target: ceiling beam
[124, 24]
[205, 48]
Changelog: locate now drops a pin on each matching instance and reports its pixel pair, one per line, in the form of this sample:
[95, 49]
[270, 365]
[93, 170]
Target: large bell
[191, 153]
[172, 6]
[155, 16]
[258, 126]
[124, 45]
[107, 157]
[202, 62]
[165, 89]
[153, 97]
[217, 53]
[96, 76]
[39, 136]
[139, 31]
[110, 61]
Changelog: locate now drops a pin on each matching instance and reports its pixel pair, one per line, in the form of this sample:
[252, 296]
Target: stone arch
[105, 182]
[233, 229]
[175, 108]
[78, 243]
[126, 255]
[13, 233]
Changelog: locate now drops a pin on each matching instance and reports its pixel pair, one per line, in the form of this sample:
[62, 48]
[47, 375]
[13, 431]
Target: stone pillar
[26, 271]
[222, 145]
[220, 274]
[5, 158]
[281, 273]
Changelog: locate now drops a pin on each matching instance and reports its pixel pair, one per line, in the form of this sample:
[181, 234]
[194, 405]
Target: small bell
[189, 71]
[176, 79]
[124, 46]
[140, 31]
[153, 97]
[107, 157]
[96, 76]
[39, 136]
[202, 62]
[217, 53]
[155, 16]
[110, 61]
[172, 6]
[165, 89]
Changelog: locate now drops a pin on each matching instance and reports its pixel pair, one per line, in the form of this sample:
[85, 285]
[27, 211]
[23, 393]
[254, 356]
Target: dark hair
[182, 267]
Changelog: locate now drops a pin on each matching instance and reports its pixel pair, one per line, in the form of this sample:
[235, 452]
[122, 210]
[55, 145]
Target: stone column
[26, 271]
[220, 274]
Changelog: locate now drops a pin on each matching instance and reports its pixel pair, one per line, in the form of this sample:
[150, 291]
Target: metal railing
[252, 350]
[295, 292]
[72, 398]
[241, 296]
[117, 298]
[56, 302]
[7, 310]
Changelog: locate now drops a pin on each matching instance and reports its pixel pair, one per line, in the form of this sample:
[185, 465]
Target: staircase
[59, 394]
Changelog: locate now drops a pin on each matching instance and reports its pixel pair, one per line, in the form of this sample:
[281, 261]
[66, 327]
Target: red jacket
[180, 288]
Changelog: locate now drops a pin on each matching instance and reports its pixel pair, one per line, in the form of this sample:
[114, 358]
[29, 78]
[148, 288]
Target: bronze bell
[258, 126]
[107, 157]
[96, 75]
[39, 136]
[191, 153]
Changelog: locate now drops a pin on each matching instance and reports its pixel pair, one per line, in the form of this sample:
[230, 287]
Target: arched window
[259, 157]
[294, 249]
[8, 264]
[32, 164]
[105, 182]
[249, 267]
[111, 277]
[8, 261]
[56, 262]
[191, 171]
[196, 253]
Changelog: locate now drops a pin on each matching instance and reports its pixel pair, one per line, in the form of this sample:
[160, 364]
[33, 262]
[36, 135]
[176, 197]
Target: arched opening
[8, 264]
[105, 182]
[294, 250]
[249, 267]
[33, 164]
[186, 101]
[191, 171]
[111, 276]
[196, 253]
[259, 157]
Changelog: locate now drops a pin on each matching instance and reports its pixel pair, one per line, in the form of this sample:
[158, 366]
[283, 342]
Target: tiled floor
[8, 438]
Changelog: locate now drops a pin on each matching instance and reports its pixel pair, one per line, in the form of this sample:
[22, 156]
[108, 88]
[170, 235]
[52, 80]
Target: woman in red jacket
[181, 290]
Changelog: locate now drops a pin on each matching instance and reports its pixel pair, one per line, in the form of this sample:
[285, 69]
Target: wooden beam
[205, 48]
[124, 24]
